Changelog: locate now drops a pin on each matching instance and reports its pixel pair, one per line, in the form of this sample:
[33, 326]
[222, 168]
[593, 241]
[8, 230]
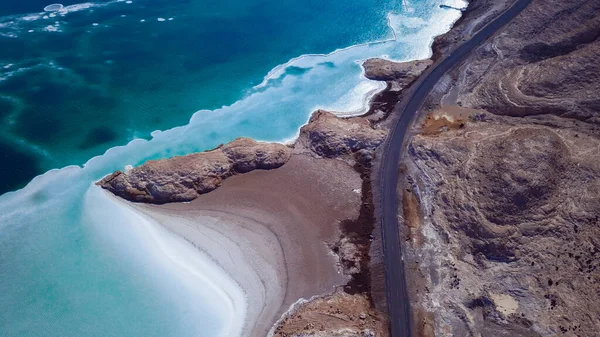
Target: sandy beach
[271, 231]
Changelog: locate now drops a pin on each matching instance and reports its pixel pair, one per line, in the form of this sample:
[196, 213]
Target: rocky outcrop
[331, 137]
[404, 73]
[398, 76]
[336, 315]
[184, 178]
[512, 227]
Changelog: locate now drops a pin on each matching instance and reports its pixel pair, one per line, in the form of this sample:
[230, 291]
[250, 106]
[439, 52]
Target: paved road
[397, 295]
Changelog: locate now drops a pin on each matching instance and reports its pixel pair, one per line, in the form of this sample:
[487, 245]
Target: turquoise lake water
[100, 79]
[95, 78]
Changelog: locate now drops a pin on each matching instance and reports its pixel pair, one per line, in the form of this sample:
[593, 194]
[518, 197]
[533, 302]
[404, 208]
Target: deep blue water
[96, 80]
[27, 6]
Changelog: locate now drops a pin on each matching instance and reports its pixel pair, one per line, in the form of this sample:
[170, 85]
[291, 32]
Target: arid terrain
[501, 184]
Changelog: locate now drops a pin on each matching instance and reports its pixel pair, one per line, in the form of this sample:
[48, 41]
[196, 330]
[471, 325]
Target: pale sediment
[195, 281]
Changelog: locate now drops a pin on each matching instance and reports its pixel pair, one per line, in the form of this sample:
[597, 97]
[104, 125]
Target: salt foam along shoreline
[267, 230]
[396, 22]
[244, 251]
[163, 142]
[201, 277]
[350, 97]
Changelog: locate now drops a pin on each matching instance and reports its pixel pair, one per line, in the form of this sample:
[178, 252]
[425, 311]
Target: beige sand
[270, 231]
[505, 304]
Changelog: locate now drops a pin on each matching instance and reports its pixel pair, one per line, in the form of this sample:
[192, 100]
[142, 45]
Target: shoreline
[169, 253]
[249, 235]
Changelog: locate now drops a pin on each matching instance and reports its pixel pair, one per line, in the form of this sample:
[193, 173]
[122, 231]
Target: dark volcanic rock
[528, 177]
[184, 178]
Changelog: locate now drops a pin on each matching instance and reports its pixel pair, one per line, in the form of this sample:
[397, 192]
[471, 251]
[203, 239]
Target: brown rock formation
[403, 73]
[184, 178]
[331, 137]
[337, 315]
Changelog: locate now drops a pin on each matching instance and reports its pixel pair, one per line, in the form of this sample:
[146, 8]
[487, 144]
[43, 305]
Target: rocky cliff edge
[184, 178]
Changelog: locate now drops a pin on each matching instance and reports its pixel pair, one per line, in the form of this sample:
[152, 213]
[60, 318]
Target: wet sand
[271, 230]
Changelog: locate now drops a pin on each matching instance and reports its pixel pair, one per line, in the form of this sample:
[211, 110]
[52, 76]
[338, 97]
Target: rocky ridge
[544, 62]
[331, 137]
[403, 73]
[184, 178]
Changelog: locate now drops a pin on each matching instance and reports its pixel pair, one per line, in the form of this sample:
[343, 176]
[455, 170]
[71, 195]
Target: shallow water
[74, 263]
